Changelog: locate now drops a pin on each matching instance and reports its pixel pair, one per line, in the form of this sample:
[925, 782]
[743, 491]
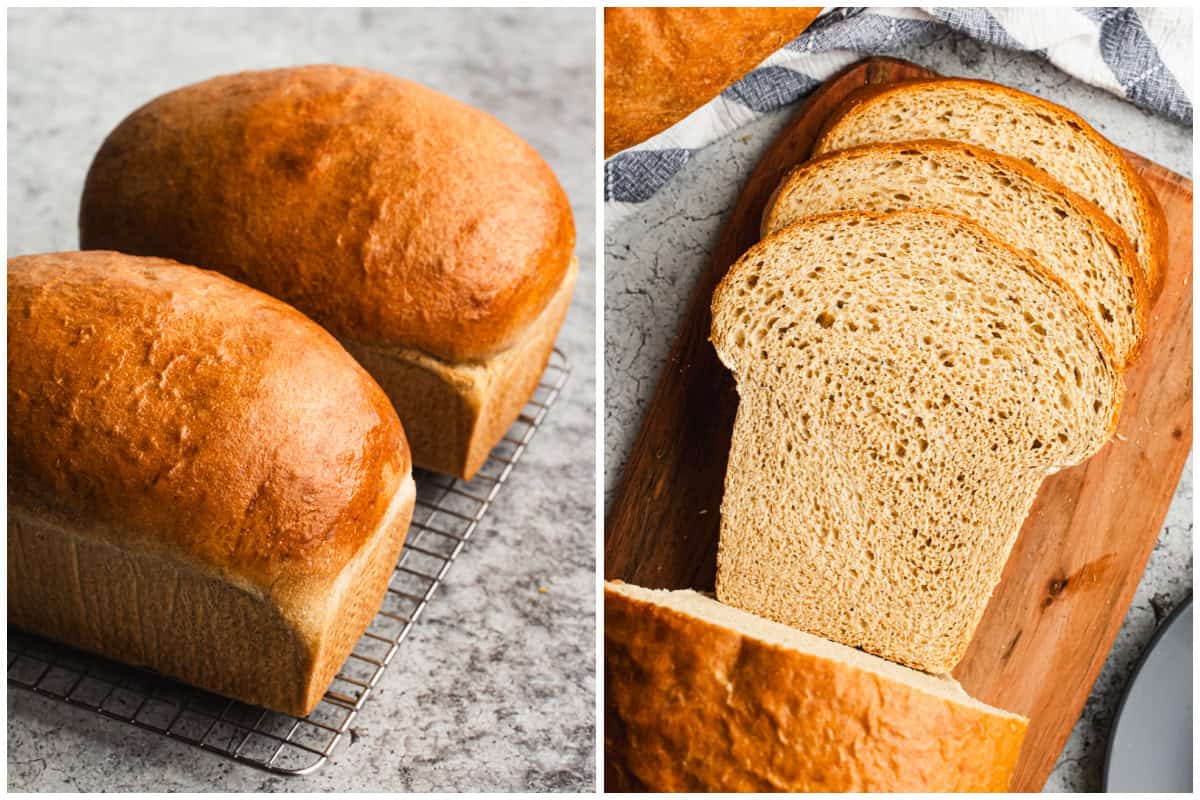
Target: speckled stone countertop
[652, 258]
[495, 687]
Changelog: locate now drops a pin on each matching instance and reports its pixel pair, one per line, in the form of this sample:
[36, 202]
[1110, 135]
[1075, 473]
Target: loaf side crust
[1151, 218]
[454, 414]
[276, 648]
[693, 706]
[355, 597]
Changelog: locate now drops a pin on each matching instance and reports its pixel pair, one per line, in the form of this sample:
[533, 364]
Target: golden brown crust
[693, 706]
[1150, 214]
[457, 412]
[386, 211]
[178, 411]
[661, 64]
[1112, 233]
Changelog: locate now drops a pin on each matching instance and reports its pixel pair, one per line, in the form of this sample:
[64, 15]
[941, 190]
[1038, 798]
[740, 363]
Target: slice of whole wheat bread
[906, 381]
[1016, 124]
[1020, 204]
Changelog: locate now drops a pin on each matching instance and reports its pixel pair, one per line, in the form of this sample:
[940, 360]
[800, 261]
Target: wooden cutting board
[1073, 571]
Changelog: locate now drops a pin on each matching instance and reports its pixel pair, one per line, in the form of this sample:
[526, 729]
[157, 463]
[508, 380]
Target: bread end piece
[700, 696]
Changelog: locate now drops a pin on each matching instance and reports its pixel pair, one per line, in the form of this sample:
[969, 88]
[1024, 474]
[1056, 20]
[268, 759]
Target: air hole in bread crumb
[1037, 445]
[825, 319]
[1039, 330]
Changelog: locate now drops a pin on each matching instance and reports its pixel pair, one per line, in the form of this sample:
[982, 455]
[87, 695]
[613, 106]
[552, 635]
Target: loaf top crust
[661, 64]
[168, 409]
[388, 212]
[704, 697]
[1014, 123]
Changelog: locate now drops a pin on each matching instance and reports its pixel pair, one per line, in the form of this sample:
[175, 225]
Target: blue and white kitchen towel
[1142, 55]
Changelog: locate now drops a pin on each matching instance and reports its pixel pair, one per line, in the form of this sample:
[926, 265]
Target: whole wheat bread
[700, 696]
[906, 381]
[1016, 124]
[1020, 204]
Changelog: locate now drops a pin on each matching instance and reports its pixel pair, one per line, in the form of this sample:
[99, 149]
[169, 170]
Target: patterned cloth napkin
[1142, 55]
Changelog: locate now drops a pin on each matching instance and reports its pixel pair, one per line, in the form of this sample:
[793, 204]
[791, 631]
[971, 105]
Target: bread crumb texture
[906, 381]
[1020, 125]
[1020, 204]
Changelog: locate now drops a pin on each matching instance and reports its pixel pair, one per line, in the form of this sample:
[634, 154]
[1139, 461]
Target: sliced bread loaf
[703, 697]
[1020, 204]
[1016, 124]
[906, 380]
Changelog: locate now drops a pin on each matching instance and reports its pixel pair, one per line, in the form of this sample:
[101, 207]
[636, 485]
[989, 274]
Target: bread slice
[703, 697]
[1018, 203]
[906, 381]
[1016, 124]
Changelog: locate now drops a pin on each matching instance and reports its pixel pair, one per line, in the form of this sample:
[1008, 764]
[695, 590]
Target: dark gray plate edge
[1158, 634]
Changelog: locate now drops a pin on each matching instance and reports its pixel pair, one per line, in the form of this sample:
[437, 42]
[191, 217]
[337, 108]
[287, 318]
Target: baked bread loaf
[702, 697]
[661, 64]
[905, 383]
[1026, 127]
[424, 234]
[200, 480]
[1020, 204]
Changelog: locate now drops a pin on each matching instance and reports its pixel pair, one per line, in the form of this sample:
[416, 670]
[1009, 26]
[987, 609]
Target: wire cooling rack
[447, 512]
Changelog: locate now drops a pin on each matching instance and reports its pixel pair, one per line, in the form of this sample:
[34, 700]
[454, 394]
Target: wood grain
[1073, 571]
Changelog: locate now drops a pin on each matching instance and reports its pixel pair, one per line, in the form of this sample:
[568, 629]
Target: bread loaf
[424, 234]
[702, 697]
[661, 64]
[905, 383]
[1048, 136]
[1020, 204]
[201, 480]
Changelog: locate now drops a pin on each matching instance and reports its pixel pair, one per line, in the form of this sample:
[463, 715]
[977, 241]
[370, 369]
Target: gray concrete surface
[495, 688]
[653, 255]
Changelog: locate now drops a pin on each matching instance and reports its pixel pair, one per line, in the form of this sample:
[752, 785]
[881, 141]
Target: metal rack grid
[448, 510]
